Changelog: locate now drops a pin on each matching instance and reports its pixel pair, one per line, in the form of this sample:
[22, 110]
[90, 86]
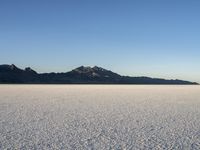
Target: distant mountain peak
[28, 69]
[94, 72]
[83, 69]
[89, 69]
[99, 68]
[13, 67]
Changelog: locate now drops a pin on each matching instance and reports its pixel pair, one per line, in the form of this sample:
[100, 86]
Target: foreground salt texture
[99, 117]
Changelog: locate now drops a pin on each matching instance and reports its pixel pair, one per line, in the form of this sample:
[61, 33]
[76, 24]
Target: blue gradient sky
[157, 38]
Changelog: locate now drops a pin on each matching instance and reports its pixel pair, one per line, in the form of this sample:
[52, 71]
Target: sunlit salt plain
[99, 117]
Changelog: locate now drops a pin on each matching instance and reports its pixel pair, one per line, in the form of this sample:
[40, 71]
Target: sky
[156, 38]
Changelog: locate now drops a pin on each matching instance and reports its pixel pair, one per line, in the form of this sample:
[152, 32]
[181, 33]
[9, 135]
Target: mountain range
[81, 75]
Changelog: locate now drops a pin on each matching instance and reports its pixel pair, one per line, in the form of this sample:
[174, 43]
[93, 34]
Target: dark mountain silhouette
[13, 74]
[80, 75]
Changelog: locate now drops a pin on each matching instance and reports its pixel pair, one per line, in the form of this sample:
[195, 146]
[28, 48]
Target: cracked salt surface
[99, 117]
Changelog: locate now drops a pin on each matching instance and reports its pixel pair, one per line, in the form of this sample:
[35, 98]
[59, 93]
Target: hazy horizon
[65, 71]
[136, 38]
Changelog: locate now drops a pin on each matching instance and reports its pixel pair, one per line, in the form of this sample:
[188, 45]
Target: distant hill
[80, 75]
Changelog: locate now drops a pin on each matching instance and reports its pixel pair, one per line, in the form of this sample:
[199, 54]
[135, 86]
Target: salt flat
[99, 117]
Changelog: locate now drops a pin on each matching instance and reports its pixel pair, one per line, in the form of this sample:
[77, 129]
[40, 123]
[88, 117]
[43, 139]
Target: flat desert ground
[99, 117]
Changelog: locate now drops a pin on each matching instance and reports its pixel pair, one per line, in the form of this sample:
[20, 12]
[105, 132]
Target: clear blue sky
[157, 38]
